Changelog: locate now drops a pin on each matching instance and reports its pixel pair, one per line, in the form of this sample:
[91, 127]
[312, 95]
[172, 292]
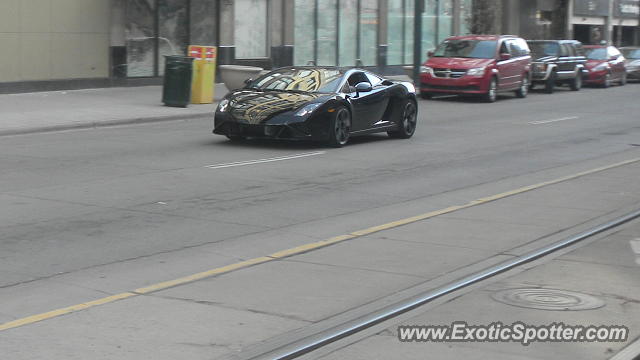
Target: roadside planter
[234, 76]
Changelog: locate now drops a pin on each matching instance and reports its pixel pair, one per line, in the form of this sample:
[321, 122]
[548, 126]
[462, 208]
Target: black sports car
[318, 103]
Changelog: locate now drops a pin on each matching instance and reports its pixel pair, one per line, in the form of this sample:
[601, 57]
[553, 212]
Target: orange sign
[202, 52]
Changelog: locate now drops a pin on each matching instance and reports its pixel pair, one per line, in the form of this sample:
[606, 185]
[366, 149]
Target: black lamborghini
[318, 103]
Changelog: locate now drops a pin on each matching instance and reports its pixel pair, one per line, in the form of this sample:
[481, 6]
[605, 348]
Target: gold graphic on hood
[257, 107]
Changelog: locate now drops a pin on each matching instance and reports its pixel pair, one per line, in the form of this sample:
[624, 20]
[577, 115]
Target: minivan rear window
[478, 49]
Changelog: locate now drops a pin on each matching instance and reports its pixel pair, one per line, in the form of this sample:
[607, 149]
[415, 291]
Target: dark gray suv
[557, 62]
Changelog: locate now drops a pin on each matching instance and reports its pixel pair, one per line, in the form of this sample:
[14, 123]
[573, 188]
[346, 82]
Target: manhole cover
[547, 299]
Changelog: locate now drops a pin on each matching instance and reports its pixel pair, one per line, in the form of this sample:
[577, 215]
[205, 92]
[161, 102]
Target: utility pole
[608, 24]
[417, 40]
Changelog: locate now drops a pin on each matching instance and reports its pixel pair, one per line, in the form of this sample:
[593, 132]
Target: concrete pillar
[569, 20]
[383, 29]
[281, 32]
[608, 25]
[511, 17]
[226, 34]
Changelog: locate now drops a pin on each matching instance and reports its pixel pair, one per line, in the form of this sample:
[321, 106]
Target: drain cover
[547, 299]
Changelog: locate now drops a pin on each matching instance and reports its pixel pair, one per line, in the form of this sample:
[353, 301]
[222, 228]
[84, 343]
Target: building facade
[119, 41]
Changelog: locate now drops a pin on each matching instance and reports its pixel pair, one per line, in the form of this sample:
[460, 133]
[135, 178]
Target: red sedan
[605, 65]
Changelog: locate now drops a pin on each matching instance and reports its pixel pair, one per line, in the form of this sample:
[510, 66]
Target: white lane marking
[261, 161]
[553, 120]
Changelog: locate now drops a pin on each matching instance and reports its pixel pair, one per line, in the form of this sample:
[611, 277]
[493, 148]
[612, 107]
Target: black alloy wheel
[407, 122]
[340, 127]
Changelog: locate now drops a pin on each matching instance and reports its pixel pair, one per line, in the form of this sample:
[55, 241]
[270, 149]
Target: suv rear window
[478, 49]
[546, 48]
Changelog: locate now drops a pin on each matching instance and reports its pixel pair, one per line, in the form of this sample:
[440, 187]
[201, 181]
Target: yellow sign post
[204, 73]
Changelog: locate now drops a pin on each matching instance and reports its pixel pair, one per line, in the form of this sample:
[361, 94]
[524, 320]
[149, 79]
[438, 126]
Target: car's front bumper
[633, 74]
[463, 85]
[224, 124]
[596, 77]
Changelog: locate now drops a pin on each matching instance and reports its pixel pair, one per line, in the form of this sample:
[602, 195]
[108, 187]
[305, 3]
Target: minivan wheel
[576, 83]
[524, 87]
[492, 93]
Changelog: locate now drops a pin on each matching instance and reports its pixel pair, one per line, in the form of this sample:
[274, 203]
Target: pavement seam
[103, 124]
[300, 249]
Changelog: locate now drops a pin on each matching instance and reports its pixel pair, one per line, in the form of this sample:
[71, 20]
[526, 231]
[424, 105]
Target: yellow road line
[297, 250]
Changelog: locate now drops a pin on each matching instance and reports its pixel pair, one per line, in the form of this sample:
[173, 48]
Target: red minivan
[483, 65]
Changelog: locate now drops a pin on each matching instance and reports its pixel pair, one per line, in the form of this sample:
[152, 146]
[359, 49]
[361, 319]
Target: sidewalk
[72, 109]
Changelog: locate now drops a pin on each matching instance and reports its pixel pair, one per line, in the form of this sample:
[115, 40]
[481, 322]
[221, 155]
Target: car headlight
[223, 105]
[426, 70]
[307, 109]
[476, 72]
[601, 67]
[540, 67]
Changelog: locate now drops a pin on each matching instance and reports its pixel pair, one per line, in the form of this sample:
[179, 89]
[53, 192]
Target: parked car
[481, 65]
[318, 103]
[605, 65]
[632, 61]
[557, 62]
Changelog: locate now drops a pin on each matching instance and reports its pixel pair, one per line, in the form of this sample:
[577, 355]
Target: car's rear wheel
[492, 93]
[340, 127]
[524, 87]
[623, 80]
[407, 121]
[576, 83]
[550, 84]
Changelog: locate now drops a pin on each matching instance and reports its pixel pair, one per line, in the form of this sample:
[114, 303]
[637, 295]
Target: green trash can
[178, 72]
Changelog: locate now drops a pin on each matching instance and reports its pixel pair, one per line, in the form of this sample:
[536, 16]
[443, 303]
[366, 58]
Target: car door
[506, 68]
[616, 61]
[368, 107]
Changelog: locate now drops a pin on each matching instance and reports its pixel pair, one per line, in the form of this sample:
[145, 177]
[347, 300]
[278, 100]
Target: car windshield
[596, 53]
[631, 53]
[478, 49]
[541, 49]
[300, 80]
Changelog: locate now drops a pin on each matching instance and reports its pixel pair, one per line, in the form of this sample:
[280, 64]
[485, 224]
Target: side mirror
[363, 87]
[248, 81]
[505, 56]
[430, 53]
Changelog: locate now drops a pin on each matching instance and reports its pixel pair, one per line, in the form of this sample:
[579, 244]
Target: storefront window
[445, 24]
[348, 32]
[327, 20]
[465, 16]
[408, 31]
[173, 34]
[304, 36]
[251, 28]
[395, 38]
[369, 32]
[140, 37]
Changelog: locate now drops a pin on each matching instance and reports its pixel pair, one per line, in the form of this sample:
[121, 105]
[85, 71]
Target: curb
[107, 123]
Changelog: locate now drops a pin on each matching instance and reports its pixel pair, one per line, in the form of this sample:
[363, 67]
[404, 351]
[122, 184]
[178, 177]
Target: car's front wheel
[623, 80]
[524, 87]
[407, 121]
[492, 93]
[576, 83]
[550, 84]
[340, 127]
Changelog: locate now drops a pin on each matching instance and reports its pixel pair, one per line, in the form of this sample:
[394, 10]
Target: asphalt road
[90, 213]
